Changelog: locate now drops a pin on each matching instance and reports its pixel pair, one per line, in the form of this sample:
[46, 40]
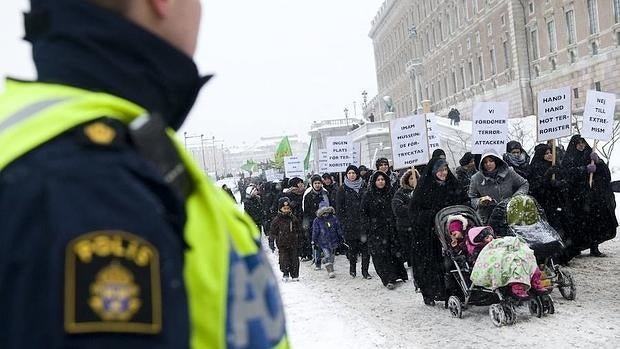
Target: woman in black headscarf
[548, 187]
[438, 188]
[378, 222]
[591, 210]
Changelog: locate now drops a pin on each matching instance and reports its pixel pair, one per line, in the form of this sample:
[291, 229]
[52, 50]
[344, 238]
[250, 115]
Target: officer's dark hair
[118, 6]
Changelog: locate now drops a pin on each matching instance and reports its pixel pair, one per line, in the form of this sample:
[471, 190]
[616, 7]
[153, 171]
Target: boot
[352, 269]
[428, 300]
[330, 270]
[519, 291]
[595, 252]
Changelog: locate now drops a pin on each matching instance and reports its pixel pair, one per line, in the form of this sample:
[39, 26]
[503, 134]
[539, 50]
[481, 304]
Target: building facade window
[575, 92]
[490, 29]
[594, 47]
[553, 45]
[597, 86]
[572, 56]
[554, 64]
[534, 43]
[478, 38]
[530, 6]
[506, 55]
[493, 61]
[592, 16]
[471, 72]
[466, 11]
[475, 3]
[617, 11]
[480, 69]
[463, 82]
[570, 27]
[454, 87]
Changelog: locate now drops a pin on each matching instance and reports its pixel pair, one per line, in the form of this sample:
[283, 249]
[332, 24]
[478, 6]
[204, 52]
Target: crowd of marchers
[387, 217]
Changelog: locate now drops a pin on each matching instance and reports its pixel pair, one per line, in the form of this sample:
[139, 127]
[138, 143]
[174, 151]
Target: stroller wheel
[566, 285]
[547, 303]
[510, 314]
[497, 314]
[455, 306]
[536, 307]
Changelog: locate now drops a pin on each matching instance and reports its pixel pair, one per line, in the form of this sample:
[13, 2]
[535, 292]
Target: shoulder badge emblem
[112, 284]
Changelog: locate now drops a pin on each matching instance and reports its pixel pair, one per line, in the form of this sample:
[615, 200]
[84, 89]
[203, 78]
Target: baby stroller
[463, 293]
[522, 216]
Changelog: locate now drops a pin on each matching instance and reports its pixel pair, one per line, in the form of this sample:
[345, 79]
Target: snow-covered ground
[347, 312]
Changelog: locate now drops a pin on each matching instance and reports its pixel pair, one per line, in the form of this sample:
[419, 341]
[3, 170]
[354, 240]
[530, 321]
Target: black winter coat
[348, 203]
[591, 211]
[429, 197]
[377, 218]
[400, 207]
[548, 191]
[253, 206]
[285, 231]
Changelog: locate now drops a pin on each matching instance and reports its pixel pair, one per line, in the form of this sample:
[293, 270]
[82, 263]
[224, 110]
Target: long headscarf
[575, 158]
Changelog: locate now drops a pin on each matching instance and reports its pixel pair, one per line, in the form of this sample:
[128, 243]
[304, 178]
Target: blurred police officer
[110, 237]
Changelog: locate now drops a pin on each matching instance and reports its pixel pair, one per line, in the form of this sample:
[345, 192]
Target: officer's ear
[161, 7]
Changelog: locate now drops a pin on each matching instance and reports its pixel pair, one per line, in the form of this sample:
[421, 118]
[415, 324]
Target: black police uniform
[74, 186]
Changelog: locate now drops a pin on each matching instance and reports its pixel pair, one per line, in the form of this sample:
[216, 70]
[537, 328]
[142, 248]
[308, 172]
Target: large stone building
[456, 52]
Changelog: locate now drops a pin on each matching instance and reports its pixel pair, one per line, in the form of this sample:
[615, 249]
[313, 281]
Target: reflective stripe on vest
[224, 241]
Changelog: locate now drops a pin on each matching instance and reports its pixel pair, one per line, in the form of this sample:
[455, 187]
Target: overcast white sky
[279, 64]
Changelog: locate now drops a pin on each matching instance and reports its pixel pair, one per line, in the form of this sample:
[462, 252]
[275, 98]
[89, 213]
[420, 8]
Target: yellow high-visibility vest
[224, 259]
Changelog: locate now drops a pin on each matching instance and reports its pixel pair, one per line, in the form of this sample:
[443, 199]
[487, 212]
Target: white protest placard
[598, 115]
[293, 167]
[431, 131]
[489, 127]
[409, 141]
[356, 154]
[323, 161]
[339, 153]
[272, 176]
[554, 114]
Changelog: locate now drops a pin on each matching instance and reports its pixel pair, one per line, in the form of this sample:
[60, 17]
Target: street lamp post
[214, 161]
[365, 98]
[346, 115]
[202, 150]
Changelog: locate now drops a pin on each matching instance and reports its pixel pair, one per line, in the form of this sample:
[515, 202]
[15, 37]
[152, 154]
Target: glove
[594, 157]
[591, 168]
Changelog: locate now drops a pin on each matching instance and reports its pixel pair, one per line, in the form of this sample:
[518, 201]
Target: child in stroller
[503, 263]
[460, 246]
[522, 216]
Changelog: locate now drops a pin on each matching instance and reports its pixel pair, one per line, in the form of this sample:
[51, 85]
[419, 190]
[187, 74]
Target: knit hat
[283, 202]
[354, 168]
[466, 159]
[294, 181]
[510, 146]
[457, 223]
[315, 178]
[381, 161]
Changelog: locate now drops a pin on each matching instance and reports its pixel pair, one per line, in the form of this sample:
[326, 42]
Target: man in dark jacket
[330, 186]
[253, 206]
[466, 170]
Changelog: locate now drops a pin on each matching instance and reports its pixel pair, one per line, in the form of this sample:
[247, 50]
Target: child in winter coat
[285, 232]
[328, 235]
[503, 262]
